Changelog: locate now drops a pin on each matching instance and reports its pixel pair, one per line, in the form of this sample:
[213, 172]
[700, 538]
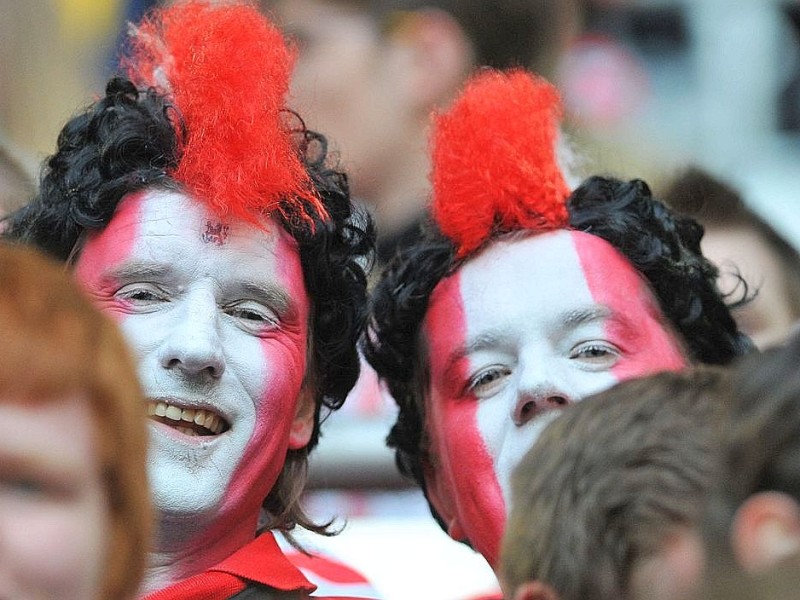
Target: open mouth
[188, 421]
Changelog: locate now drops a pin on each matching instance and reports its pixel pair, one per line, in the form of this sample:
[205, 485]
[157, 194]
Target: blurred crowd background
[657, 84]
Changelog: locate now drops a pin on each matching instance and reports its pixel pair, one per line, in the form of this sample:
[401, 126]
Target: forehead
[545, 275]
[529, 272]
[172, 228]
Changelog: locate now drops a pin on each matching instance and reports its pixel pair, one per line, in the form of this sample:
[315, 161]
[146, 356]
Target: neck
[186, 546]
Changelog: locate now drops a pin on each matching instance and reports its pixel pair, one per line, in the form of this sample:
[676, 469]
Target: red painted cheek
[109, 247]
[650, 347]
[466, 473]
[284, 361]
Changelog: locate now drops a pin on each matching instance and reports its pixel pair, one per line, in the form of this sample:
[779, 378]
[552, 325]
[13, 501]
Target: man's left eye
[252, 315]
[600, 354]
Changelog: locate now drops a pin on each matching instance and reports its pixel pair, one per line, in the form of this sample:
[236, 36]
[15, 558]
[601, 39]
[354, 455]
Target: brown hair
[54, 344]
[608, 482]
[760, 438]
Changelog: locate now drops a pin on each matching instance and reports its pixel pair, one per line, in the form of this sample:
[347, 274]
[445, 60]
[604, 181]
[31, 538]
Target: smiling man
[523, 298]
[203, 216]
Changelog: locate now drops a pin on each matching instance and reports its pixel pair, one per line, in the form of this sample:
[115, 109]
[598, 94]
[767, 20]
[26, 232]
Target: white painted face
[217, 313]
[54, 520]
[525, 327]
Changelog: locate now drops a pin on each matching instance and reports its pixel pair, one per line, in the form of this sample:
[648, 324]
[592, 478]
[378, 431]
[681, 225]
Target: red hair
[494, 160]
[226, 69]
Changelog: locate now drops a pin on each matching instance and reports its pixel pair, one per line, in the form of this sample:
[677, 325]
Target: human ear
[765, 530]
[303, 422]
[535, 590]
[439, 54]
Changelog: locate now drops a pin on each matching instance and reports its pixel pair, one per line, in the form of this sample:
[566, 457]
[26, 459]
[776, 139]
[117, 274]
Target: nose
[530, 406]
[193, 345]
[538, 393]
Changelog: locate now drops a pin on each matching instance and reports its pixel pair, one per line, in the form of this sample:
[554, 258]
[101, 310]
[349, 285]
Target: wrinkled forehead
[160, 211]
[158, 229]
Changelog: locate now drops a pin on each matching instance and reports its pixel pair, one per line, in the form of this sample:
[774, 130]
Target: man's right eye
[488, 381]
[141, 294]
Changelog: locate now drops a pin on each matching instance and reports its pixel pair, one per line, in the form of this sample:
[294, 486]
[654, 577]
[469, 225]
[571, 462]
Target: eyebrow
[271, 295]
[40, 460]
[483, 341]
[139, 269]
[581, 316]
[575, 318]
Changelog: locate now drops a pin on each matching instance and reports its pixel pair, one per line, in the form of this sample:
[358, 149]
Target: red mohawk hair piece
[226, 68]
[494, 160]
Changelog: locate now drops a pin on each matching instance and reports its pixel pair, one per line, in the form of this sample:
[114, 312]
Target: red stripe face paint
[525, 327]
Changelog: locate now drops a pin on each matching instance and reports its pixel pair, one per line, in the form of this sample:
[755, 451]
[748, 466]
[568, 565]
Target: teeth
[174, 413]
[208, 421]
[186, 430]
[201, 417]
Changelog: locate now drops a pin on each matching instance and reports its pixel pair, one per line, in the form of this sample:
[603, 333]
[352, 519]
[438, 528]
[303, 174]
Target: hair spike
[494, 160]
[226, 68]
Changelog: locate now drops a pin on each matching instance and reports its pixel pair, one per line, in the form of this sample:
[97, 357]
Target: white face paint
[217, 313]
[525, 327]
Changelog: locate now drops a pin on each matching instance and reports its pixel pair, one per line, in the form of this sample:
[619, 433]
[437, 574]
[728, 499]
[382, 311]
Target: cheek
[458, 437]
[275, 381]
[651, 347]
[57, 549]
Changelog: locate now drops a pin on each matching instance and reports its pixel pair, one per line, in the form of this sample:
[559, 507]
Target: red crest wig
[494, 160]
[226, 68]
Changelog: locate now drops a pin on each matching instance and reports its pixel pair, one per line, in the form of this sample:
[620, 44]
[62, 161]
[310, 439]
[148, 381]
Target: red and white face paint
[526, 326]
[217, 313]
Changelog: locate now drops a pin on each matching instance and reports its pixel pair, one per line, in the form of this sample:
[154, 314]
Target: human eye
[24, 486]
[141, 294]
[488, 381]
[32, 487]
[252, 316]
[595, 354]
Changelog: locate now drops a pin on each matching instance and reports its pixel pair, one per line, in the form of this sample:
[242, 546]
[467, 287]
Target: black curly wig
[128, 141]
[661, 245]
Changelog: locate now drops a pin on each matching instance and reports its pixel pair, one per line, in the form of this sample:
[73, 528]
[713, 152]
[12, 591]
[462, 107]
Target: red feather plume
[494, 160]
[226, 67]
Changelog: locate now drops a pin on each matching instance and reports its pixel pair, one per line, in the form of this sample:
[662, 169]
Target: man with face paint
[204, 218]
[523, 298]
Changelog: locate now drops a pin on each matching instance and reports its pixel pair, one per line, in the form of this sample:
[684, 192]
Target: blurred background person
[74, 500]
[16, 179]
[744, 246]
[753, 521]
[608, 502]
[370, 72]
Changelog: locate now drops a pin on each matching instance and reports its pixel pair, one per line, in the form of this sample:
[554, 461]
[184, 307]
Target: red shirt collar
[261, 561]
